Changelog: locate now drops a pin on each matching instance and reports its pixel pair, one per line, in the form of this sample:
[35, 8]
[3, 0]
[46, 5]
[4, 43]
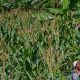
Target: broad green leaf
[65, 4]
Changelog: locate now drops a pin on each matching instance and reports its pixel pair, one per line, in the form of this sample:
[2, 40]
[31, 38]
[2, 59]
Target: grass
[40, 46]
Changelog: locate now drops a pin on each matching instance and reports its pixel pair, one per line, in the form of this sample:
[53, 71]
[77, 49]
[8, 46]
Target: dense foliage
[40, 4]
[40, 43]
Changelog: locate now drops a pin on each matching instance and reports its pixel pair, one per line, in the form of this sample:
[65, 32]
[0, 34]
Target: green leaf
[65, 4]
[30, 77]
[54, 11]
